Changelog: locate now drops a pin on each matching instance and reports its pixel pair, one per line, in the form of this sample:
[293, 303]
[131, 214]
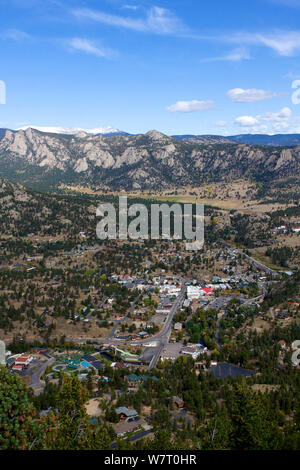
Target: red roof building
[23, 360]
[208, 291]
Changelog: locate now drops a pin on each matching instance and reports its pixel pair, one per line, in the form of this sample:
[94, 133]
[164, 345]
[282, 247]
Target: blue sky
[192, 66]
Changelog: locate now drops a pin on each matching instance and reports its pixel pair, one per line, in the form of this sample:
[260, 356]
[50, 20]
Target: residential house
[125, 413]
[178, 402]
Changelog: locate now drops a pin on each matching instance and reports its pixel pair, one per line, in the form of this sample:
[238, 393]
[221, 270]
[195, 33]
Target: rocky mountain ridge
[142, 161]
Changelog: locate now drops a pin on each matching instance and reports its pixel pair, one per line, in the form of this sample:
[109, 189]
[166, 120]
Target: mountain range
[143, 161]
[276, 140]
[108, 131]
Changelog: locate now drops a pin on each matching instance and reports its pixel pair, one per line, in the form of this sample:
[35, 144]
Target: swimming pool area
[72, 364]
[85, 364]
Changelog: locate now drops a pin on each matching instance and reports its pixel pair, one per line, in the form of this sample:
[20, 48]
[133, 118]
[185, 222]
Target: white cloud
[89, 47]
[190, 106]
[162, 21]
[112, 20]
[157, 20]
[234, 56]
[239, 95]
[15, 35]
[271, 122]
[283, 115]
[284, 43]
[238, 54]
[246, 121]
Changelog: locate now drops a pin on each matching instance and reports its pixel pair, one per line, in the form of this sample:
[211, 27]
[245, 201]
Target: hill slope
[24, 211]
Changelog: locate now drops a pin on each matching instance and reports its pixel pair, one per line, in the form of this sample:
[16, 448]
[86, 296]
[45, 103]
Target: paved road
[36, 371]
[35, 378]
[253, 300]
[258, 265]
[117, 323]
[100, 305]
[162, 338]
[166, 330]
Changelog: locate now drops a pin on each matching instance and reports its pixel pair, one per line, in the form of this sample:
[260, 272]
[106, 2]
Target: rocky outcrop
[140, 161]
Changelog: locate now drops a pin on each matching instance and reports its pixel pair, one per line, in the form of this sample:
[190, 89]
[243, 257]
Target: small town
[124, 330]
[150, 231]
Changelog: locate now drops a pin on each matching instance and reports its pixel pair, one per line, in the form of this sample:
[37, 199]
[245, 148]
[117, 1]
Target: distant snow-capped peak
[72, 130]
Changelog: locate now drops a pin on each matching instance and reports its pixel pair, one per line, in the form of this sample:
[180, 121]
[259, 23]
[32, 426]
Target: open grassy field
[238, 195]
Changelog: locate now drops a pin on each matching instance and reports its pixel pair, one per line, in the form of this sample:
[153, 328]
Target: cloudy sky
[182, 67]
